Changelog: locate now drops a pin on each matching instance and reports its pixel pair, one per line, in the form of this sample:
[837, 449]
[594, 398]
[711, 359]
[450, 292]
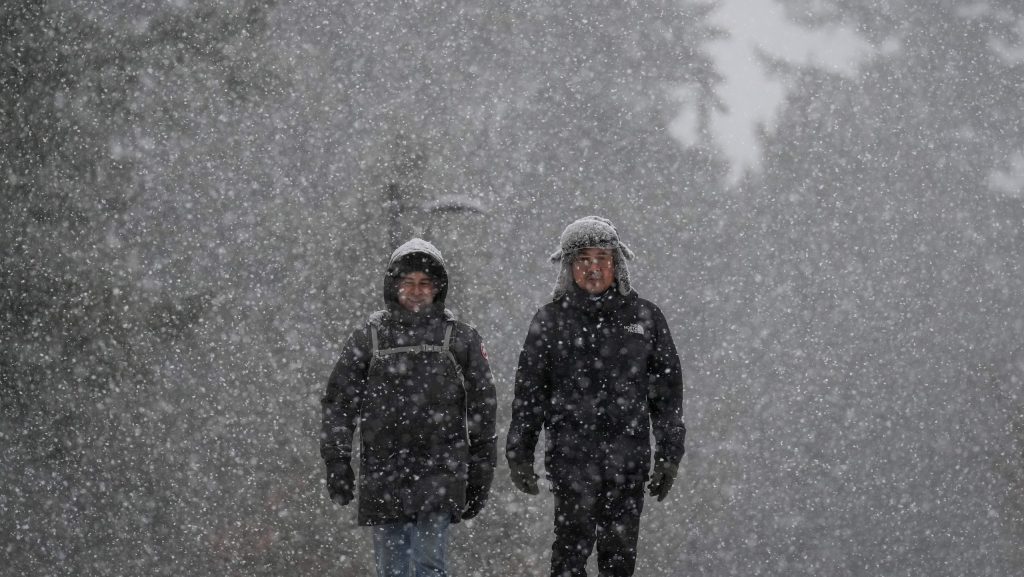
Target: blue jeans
[422, 544]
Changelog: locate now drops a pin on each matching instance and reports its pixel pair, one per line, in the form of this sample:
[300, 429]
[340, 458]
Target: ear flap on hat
[621, 270]
[564, 281]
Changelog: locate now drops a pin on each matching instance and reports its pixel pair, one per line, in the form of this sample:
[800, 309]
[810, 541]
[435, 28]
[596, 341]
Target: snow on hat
[590, 232]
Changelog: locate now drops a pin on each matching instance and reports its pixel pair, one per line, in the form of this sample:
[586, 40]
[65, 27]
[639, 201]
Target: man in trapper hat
[598, 372]
[416, 383]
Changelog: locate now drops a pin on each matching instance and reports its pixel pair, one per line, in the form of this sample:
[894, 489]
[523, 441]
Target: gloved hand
[476, 496]
[662, 477]
[478, 486]
[340, 481]
[524, 478]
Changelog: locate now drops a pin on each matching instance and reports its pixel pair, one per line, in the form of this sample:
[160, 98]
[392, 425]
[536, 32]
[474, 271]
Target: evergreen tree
[879, 271]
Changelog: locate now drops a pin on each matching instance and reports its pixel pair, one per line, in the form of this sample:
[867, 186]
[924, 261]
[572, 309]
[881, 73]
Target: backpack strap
[445, 347]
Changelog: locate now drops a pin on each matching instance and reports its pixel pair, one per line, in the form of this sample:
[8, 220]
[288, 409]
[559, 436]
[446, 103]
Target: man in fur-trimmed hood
[598, 373]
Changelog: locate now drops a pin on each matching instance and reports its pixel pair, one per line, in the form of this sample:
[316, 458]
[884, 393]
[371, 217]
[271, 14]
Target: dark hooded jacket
[426, 423]
[596, 375]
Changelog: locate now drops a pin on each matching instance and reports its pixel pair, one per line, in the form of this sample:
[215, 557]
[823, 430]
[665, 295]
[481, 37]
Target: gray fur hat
[590, 232]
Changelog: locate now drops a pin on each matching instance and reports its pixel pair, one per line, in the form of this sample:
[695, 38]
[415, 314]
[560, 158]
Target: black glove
[662, 477]
[476, 496]
[340, 481]
[524, 478]
[478, 486]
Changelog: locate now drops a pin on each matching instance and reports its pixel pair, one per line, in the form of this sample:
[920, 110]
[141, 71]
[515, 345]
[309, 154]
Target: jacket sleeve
[481, 404]
[665, 393]
[340, 404]
[532, 391]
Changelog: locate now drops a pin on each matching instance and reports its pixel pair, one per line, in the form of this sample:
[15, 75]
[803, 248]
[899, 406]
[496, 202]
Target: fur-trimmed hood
[590, 232]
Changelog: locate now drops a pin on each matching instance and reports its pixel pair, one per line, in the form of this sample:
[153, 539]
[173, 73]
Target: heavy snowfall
[826, 199]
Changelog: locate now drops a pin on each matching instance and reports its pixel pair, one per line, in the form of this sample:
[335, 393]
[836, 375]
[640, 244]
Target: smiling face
[416, 291]
[593, 269]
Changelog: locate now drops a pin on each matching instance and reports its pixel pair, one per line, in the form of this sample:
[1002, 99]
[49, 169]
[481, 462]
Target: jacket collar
[607, 302]
[434, 314]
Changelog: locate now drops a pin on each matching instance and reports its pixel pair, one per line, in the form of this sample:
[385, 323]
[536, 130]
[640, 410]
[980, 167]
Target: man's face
[593, 269]
[416, 291]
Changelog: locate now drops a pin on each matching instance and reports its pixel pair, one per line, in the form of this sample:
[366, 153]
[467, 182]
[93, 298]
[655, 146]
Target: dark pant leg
[618, 527]
[575, 527]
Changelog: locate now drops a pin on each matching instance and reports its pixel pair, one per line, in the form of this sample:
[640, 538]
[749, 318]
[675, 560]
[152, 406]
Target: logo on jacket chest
[585, 337]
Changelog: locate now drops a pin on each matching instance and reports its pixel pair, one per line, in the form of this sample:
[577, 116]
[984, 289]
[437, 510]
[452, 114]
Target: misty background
[826, 199]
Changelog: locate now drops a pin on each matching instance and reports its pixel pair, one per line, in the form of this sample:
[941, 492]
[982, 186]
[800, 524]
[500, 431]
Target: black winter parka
[424, 435]
[596, 374]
